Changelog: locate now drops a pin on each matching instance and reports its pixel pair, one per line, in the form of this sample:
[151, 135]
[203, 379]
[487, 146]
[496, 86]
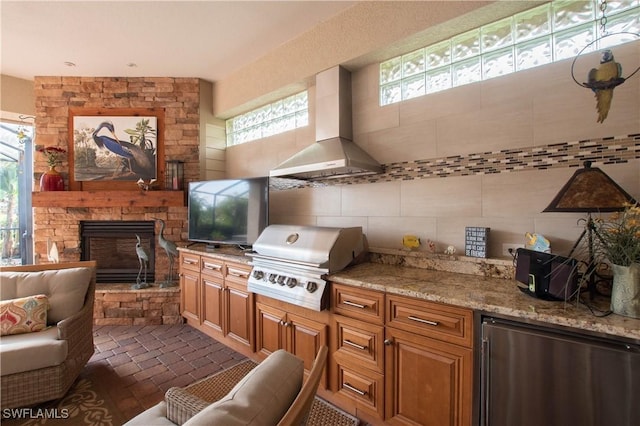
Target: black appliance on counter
[547, 276]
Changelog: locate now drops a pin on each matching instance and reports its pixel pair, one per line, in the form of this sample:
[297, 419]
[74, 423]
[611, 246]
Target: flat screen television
[228, 211]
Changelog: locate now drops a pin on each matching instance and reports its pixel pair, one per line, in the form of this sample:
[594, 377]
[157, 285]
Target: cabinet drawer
[190, 261]
[212, 267]
[237, 273]
[436, 320]
[367, 305]
[359, 342]
[364, 387]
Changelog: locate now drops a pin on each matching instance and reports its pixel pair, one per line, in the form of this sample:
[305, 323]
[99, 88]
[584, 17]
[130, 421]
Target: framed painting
[115, 148]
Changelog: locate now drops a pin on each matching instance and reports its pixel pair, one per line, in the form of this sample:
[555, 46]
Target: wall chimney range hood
[334, 154]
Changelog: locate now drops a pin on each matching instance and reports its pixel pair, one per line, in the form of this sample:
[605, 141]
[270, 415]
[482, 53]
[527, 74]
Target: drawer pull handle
[236, 273]
[354, 389]
[355, 345]
[422, 321]
[189, 261]
[355, 305]
[212, 267]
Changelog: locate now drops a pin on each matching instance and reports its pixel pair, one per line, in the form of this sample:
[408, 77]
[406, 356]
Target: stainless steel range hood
[334, 154]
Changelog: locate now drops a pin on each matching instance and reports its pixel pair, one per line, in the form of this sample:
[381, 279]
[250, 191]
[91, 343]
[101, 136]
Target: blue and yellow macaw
[602, 80]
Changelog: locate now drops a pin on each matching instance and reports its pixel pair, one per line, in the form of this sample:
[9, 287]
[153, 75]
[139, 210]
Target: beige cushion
[65, 288]
[23, 315]
[262, 397]
[154, 416]
[31, 351]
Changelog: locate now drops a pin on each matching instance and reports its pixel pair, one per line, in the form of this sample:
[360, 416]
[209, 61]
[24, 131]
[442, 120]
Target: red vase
[51, 180]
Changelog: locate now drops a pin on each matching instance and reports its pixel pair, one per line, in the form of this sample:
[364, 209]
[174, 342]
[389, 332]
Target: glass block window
[551, 32]
[268, 120]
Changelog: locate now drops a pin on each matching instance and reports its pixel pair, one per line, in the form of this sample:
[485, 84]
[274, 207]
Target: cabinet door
[190, 295]
[427, 382]
[212, 303]
[240, 316]
[270, 332]
[305, 337]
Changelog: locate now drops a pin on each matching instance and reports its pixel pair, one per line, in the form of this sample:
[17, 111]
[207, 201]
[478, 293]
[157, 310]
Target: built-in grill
[290, 262]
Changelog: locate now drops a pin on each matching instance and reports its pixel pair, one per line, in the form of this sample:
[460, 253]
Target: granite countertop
[492, 295]
[491, 292]
[228, 253]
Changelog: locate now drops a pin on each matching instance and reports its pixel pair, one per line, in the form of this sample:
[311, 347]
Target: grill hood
[334, 154]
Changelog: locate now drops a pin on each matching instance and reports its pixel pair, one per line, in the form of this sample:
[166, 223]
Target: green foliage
[85, 157]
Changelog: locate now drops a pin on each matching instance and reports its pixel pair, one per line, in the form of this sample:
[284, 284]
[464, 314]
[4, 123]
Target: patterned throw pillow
[23, 315]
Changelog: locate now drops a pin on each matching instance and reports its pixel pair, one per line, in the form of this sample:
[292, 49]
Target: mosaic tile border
[608, 150]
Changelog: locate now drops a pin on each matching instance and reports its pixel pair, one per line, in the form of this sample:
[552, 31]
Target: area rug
[85, 404]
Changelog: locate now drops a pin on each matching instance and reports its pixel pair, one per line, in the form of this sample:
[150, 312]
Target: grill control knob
[311, 286]
[272, 278]
[281, 279]
[258, 274]
[292, 282]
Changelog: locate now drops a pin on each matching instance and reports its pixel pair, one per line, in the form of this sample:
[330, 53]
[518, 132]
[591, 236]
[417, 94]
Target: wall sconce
[174, 175]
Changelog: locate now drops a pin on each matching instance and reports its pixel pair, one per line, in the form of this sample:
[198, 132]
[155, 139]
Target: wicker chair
[299, 411]
[183, 403]
[32, 387]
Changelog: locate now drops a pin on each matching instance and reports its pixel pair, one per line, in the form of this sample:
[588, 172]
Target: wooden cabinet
[358, 360]
[428, 363]
[190, 288]
[212, 285]
[238, 305]
[278, 327]
[401, 360]
[214, 299]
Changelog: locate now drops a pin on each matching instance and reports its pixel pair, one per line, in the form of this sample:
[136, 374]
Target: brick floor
[139, 363]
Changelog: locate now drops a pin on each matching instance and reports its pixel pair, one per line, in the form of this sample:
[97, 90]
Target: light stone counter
[493, 295]
[228, 253]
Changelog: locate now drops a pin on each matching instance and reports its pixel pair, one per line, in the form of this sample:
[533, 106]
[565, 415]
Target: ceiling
[204, 39]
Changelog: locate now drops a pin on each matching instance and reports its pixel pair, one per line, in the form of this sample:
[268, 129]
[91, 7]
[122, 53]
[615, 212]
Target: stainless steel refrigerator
[537, 376]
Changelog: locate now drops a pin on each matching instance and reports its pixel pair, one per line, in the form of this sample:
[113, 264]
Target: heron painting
[122, 148]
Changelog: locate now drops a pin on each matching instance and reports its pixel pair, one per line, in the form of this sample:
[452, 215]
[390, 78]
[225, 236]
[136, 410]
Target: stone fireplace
[57, 215]
[60, 217]
[113, 244]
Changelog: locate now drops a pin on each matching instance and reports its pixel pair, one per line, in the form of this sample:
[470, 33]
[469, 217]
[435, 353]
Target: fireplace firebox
[112, 244]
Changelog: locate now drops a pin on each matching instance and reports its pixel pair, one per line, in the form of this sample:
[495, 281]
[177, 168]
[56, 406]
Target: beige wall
[16, 97]
[368, 32]
[534, 108]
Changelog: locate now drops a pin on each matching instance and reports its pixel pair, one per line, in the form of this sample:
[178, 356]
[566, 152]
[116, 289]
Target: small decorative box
[475, 241]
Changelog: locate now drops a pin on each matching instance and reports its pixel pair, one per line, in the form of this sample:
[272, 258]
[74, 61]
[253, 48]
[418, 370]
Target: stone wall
[119, 305]
[179, 98]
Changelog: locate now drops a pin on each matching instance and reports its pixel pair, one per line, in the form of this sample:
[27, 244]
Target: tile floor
[139, 364]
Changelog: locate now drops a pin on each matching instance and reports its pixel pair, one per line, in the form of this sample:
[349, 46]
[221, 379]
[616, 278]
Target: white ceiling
[204, 39]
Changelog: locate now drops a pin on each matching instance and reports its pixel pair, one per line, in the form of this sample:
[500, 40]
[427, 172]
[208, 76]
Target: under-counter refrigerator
[535, 376]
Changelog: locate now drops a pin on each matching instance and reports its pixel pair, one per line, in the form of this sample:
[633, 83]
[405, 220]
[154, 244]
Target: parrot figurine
[537, 242]
[602, 80]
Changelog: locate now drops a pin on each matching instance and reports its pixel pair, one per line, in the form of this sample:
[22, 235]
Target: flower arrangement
[52, 153]
[619, 236]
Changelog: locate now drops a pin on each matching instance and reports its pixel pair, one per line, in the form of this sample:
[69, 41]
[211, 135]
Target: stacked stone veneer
[54, 96]
[180, 100]
[119, 305]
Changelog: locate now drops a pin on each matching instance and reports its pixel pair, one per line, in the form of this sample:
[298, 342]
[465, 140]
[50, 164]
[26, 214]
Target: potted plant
[619, 242]
[51, 180]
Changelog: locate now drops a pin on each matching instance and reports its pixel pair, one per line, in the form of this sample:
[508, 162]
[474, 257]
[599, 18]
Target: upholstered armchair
[44, 349]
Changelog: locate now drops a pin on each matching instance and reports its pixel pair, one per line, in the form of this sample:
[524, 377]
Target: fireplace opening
[112, 243]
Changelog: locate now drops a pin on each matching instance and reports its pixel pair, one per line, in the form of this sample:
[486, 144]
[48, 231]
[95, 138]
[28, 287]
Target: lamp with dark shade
[590, 190]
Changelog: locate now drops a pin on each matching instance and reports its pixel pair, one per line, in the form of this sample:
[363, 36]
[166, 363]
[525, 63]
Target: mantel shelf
[108, 199]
